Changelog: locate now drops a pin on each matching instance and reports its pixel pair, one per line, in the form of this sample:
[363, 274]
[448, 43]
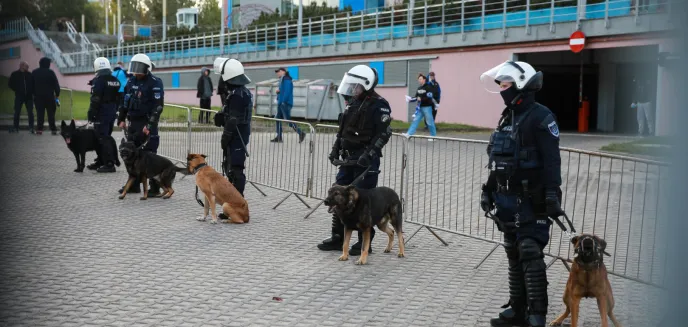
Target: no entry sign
[577, 41]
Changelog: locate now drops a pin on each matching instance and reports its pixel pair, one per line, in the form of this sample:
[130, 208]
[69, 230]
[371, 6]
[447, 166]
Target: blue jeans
[284, 112]
[427, 113]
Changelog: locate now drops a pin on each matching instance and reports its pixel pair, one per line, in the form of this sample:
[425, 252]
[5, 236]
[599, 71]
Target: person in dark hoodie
[436, 94]
[46, 95]
[204, 91]
[21, 82]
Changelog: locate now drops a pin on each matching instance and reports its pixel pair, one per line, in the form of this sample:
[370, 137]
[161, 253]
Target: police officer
[144, 98]
[103, 112]
[235, 117]
[523, 185]
[364, 129]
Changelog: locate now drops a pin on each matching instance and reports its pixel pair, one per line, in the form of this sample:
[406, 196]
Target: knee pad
[529, 249]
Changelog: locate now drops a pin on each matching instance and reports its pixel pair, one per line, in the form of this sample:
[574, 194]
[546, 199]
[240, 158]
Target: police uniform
[144, 100]
[235, 118]
[236, 133]
[525, 176]
[364, 129]
[103, 112]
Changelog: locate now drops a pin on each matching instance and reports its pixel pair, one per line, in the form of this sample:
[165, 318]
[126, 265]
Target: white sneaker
[406, 135]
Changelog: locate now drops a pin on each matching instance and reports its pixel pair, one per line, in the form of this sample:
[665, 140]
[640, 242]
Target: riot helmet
[358, 81]
[523, 76]
[140, 64]
[101, 63]
[231, 71]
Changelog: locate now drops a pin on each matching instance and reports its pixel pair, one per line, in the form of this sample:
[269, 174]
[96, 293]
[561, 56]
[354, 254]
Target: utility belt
[519, 205]
[348, 153]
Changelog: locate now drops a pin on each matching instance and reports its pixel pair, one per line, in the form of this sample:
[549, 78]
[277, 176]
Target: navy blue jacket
[286, 91]
[142, 97]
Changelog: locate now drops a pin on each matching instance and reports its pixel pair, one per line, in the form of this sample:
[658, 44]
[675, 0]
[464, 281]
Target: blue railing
[429, 20]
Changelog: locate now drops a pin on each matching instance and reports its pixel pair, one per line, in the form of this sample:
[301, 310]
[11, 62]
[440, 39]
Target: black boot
[135, 187]
[516, 315]
[109, 168]
[335, 242]
[153, 188]
[95, 165]
[357, 248]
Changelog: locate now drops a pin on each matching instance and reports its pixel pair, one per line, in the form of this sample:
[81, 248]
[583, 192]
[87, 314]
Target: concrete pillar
[606, 97]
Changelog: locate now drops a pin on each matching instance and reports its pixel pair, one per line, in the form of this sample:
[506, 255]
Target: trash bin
[313, 99]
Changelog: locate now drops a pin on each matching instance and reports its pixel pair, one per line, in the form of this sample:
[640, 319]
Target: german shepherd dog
[144, 164]
[360, 209]
[588, 278]
[217, 190]
[83, 140]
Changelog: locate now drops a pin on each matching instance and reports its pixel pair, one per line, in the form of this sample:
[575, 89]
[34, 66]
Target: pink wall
[395, 97]
[464, 99]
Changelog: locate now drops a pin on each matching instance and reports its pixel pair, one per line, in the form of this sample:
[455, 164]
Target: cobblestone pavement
[74, 255]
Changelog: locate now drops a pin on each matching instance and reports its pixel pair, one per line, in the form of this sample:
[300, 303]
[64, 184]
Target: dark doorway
[560, 93]
[625, 117]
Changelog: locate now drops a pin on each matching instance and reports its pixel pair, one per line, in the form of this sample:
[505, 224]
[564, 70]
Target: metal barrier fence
[619, 199]
[175, 132]
[439, 180]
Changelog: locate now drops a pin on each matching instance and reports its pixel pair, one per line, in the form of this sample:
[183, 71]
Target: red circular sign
[577, 41]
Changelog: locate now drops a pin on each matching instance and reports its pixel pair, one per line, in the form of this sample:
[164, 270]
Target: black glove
[334, 155]
[366, 158]
[486, 201]
[553, 206]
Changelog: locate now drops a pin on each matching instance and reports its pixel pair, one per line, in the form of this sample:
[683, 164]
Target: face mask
[509, 95]
[358, 91]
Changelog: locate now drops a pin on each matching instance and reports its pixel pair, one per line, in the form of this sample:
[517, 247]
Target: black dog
[360, 209]
[82, 140]
[142, 164]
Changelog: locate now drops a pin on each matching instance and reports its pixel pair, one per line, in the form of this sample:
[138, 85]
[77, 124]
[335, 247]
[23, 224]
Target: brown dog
[217, 190]
[588, 278]
[361, 209]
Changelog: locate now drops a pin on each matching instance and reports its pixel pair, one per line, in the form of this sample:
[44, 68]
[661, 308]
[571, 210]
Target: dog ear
[63, 124]
[575, 239]
[204, 156]
[189, 156]
[353, 194]
[121, 141]
[603, 246]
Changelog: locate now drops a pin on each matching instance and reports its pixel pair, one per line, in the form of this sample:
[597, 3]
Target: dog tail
[396, 212]
[182, 170]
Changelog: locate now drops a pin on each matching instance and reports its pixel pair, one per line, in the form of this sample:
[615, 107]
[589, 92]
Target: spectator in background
[642, 102]
[121, 75]
[204, 91]
[285, 101]
[426, 101]
[436, 95]
[46, 94]
[21, 82]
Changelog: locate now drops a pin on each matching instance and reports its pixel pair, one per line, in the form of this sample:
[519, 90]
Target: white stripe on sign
[577, 41]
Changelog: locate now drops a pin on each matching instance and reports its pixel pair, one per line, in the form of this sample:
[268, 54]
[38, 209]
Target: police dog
[217, 190]
[588, 278]
[360, 209]
[82, 140]
[144, 164]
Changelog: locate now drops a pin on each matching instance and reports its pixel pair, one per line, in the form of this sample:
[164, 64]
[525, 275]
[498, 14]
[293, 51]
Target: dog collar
[199, 167]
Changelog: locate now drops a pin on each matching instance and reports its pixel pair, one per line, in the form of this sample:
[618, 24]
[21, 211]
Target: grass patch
[657, 146]
[80, 102]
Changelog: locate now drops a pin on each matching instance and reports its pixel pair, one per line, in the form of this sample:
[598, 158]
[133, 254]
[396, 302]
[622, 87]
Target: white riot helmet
[101, 63]
[231, 71]
[522, 74]
[140, 64]
[362, 75]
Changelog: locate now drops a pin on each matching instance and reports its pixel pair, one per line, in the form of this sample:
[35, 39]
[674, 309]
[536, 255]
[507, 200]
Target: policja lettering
[103, 112]
[523, 185]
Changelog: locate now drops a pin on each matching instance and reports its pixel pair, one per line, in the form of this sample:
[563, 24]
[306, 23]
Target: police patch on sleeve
[157, 96]
[553, 128]
[385, 118]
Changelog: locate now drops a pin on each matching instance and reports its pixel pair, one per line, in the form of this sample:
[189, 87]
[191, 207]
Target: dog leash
[353, 163]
